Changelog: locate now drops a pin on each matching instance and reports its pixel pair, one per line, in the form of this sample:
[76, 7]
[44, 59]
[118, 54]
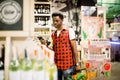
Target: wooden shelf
[42, 2]
[39, 29]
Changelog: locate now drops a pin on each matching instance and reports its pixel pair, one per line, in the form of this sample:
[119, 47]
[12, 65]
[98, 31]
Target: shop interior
[23, 23]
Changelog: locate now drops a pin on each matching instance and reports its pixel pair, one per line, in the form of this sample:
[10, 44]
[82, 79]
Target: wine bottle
[43, 9]
[46, 22]
[42, 21]
[14, 66]
[48, 9]
[39, 20]
[26, 67]
[1, 62]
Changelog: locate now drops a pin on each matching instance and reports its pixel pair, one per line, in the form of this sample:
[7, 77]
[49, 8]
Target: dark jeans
[65, 73]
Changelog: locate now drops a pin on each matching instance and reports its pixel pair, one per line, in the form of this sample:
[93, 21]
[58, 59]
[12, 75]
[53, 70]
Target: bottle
[43, 9]
[39, 20]
[48, 9]
[45, 61]
[46, 20]
[52, 69]
[26, 67]
[2, 62]
[42, 21]
[38, 9]
[14, 66]
[38, 71]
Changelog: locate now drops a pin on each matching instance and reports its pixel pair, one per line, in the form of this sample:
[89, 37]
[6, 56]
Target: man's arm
[74, 49]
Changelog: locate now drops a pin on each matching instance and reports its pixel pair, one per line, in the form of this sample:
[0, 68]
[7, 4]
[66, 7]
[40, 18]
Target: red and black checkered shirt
[63, 51]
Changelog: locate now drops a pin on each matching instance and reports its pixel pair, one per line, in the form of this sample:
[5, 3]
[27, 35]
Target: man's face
[57, 22]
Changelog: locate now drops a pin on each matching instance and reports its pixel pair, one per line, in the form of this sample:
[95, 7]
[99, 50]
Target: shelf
[14, 33]
[42, 14]
[42, 2]
[113, 30]
[42, 27]
[39, 34]
[41, 18]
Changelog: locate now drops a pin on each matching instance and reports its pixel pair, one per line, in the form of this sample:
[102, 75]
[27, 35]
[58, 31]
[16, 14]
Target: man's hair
[58, 14]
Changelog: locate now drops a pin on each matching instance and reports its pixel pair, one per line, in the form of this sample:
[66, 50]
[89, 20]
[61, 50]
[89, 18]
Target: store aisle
[115, 71]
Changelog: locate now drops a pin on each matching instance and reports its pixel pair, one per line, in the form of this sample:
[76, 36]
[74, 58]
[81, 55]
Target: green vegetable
[81, 76]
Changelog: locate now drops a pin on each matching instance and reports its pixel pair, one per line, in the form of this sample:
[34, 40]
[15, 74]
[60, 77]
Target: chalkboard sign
[11, 15]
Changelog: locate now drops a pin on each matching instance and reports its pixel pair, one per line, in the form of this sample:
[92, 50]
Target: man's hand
[77, 67]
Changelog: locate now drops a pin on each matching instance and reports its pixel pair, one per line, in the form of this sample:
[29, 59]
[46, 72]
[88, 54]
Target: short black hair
[58, 14]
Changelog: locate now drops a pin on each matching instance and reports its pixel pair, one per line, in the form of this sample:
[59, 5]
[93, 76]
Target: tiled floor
[115, 71]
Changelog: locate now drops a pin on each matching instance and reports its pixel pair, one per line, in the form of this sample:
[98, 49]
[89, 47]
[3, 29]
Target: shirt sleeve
[71, 34]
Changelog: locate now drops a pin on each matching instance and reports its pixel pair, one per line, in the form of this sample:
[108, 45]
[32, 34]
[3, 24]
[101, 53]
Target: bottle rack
[41, 8]
[41, 21]
[42, 18]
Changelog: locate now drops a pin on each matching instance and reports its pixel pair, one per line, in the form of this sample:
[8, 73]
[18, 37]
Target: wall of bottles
[42, 9]
[42, 20]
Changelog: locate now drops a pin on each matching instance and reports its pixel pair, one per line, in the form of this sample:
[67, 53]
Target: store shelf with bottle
[41, 18]
[42, 8]
[42, 13]
[42, 21]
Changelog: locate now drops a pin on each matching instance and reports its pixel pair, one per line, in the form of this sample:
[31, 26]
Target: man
[64, 46]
